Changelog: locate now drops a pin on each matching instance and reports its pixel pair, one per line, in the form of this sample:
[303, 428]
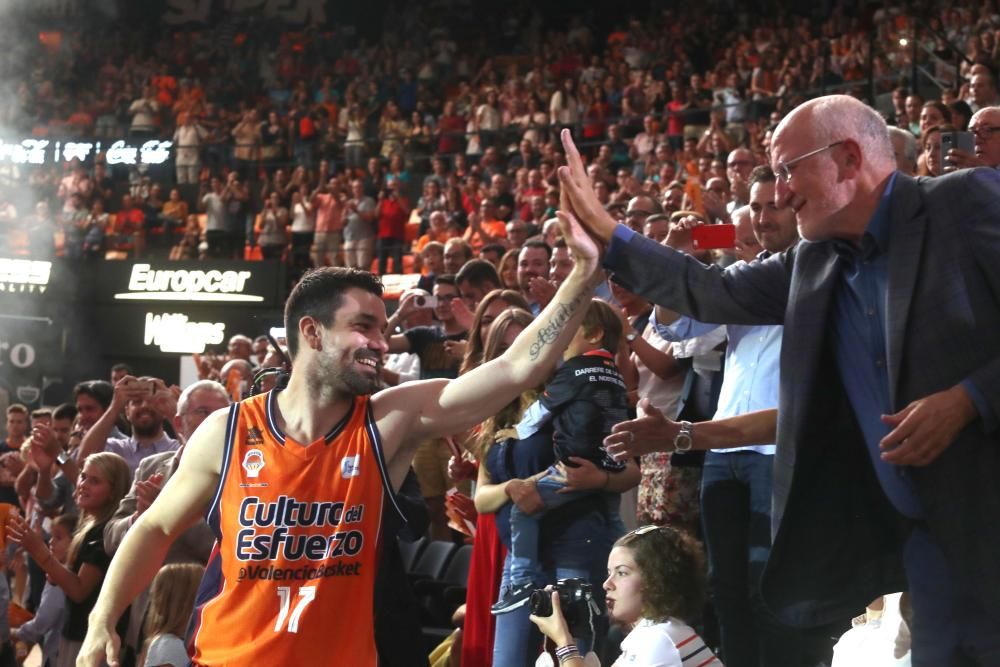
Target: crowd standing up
[718, 451]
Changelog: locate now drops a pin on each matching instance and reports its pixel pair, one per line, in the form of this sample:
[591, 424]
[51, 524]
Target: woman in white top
[656, 578]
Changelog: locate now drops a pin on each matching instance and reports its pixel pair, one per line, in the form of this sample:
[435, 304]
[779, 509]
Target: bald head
[987, 139]
[833, 157]
[838, 117]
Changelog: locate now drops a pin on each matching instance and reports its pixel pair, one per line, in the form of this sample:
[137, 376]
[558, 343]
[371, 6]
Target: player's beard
[342, 377]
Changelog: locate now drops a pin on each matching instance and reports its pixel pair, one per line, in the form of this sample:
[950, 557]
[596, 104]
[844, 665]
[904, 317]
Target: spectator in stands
[560, 263]
[328, 206]
[172, 599]
[146, 402]
[432, 265]
[17, 428]
[639, 208]
[584, 398]
[440, 349]
[517, 233]
[392, 211]
[246, 142]
[486, 312]
[476, 278]
[270, 228]
[983, 91]
[934, 164]
[187, 140]
[217, 234]
[655, 590]
[51, 472]
[456, 253]
[430, 201]
[46, 626]
[102, 484]
[92, 399]
[359, 227]
[175, 210]
[484, 227]
[533, 274]
[985, 125]
[195, 404]
[145, 111]
[904, 145]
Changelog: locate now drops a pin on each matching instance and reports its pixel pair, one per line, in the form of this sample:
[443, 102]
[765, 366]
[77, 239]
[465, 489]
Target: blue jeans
[517, 642]
[736, 521]
[524, 565]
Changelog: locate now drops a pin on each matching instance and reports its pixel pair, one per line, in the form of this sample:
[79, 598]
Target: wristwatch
[631, 336]
[683, 440]
[62, 458]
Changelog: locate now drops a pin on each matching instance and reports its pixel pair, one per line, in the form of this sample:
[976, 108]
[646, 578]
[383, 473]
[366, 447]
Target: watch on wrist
[631, 336]
[62, 458]
[684, 438]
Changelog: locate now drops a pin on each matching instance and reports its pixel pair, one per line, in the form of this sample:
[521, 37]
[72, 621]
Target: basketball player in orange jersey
[295, 482]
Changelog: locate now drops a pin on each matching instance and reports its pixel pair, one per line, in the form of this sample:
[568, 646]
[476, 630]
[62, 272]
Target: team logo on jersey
[350, 466]
[254, 437]
[253, 462]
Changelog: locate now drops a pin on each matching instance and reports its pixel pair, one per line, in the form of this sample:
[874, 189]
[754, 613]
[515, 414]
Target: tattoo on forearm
[549, 332]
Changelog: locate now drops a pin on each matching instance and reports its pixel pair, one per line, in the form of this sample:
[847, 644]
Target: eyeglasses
[984, 132]
[784, 169]
[638, 214]
[201, 412]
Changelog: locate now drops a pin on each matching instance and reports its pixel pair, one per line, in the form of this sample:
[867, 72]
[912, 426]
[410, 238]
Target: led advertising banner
[253, 284]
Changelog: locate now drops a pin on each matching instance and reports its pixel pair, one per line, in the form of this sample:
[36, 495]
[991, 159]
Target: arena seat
[433, 560]
[409, 551]
[439, 597]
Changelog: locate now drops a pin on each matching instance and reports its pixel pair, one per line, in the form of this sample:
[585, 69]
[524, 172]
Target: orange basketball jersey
[291, 579]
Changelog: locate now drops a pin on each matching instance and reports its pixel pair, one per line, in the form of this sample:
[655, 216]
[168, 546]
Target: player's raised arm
[412, 412]
[182, 502]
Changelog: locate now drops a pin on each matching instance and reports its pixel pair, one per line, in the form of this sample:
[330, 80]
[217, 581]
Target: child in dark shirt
[583, 400]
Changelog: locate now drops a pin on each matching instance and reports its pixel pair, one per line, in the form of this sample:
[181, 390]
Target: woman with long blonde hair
[171, 601]
[103, 482]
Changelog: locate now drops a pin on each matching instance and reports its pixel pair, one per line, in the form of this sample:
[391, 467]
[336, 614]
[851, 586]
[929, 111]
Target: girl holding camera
[655, 584]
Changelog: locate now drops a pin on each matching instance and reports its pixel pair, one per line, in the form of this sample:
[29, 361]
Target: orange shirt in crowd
[422, 242]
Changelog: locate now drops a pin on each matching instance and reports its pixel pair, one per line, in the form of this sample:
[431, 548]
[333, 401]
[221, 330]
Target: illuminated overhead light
[903, 41]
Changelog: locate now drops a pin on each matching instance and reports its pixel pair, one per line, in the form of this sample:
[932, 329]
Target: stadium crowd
[435, 152]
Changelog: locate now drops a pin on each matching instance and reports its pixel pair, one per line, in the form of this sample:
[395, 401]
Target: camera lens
[541, 603]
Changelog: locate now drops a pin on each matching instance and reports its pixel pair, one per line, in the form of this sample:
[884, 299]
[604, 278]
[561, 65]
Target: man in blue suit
[886, 471]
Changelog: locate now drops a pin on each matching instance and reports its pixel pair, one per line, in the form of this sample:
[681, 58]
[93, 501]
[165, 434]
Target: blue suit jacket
[837, 540]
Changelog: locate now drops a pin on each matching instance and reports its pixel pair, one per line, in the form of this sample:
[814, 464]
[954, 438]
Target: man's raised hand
[576, 188]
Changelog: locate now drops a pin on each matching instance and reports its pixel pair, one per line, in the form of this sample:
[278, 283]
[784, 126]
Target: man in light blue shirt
[736, 483]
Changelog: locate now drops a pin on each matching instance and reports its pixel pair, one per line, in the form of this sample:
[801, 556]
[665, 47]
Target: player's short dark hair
[446, 279]
[478, 272]
[319, 294]
[122, 367]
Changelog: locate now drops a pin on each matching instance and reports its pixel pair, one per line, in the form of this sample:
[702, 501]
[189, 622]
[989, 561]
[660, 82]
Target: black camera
[576, 599]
